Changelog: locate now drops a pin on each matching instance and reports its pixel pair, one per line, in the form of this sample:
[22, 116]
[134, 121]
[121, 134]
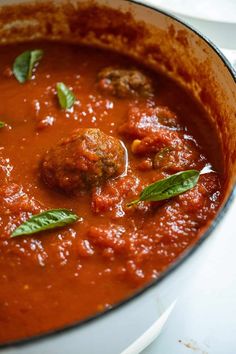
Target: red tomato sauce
[57, 277]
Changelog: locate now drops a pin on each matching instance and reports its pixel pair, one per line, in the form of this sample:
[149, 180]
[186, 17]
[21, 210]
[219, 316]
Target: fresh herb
[25, 63]
[65, 96]
[169, 187]
[2, 124]
[46, 220]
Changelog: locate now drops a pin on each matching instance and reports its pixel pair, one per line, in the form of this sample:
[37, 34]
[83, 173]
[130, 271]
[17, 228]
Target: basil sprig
[169, 187]
[25, 63]
[65, 96]
[2, 124]
[46, 220]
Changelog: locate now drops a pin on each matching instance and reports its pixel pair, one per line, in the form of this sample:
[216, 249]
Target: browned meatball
[124, 82]
[83, 160]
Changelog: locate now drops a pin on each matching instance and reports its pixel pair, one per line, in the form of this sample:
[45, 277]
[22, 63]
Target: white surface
[213, 10]
[150, 334]
[204, 318]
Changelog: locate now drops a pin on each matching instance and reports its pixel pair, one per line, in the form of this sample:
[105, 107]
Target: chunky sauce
[54, 278]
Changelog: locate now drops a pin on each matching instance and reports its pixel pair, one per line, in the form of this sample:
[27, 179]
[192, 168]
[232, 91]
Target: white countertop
[213, 10]
[204, 318]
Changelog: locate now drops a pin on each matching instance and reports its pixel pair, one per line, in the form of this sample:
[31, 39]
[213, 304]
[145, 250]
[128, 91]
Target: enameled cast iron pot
[160, 41]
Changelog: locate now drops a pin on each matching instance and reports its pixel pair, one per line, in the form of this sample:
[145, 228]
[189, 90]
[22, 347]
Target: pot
[164, 43]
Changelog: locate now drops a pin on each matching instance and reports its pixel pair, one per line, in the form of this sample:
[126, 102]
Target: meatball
[84, 160]
[124, 83]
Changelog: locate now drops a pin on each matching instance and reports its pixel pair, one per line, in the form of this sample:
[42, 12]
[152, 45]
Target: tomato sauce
[57, 277]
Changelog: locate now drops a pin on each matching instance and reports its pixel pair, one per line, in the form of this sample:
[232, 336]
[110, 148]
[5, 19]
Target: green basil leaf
[49, 219]
[169, 187]
[65, 96]
[25, 63]
[2, 124]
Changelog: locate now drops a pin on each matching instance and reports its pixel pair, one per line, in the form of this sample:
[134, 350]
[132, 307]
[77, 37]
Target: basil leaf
[49, 219]
[65, 96]
[25, 63]
[2, 124]
[169, 187]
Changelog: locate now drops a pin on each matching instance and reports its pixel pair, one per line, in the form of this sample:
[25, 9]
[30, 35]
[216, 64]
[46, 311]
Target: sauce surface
[57, 277]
